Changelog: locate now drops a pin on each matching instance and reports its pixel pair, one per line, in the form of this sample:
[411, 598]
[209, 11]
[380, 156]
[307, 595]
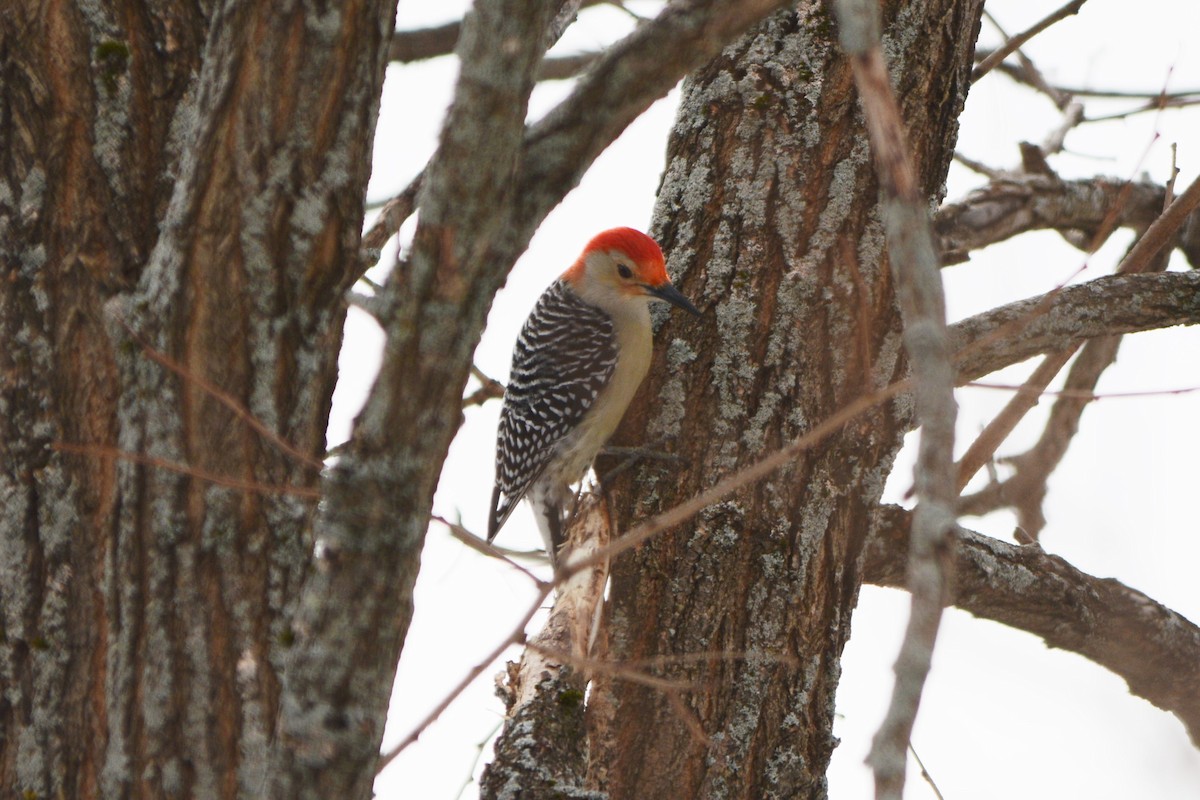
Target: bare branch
[1016, 204]
[622, 84]
[1017, 41]
[1113, 304]
[515, 637]
[1026, 489]
[1182, 94]
[391, 217]
[1162, 230]
[489, 389]
[923, 308]
[1179, 308]
[425, 43]
[1154, 649]
[984, 447]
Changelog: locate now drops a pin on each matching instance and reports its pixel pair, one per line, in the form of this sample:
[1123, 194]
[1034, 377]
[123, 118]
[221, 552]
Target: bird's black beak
[672, 295]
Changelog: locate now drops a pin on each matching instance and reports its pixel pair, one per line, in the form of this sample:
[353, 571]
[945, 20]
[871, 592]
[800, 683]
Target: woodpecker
[578, 362]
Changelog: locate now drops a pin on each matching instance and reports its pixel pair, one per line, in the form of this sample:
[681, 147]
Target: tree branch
[923, 308]
[622, 84]
[425, 43]
[1113, 304]
[1019, 203]
[1154, 649]
[1026, 489]
[998, 430]
[354, 609]
[1015, 42]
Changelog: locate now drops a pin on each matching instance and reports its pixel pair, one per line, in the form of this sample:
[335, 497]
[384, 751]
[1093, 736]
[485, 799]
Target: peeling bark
[542, 750]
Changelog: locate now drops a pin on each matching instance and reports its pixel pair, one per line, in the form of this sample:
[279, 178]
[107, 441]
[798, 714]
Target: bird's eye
[624, 271]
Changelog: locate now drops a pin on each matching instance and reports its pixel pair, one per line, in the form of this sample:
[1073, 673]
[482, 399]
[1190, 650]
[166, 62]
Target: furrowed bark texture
[484, 193]
[769, 213]
[355, 611]
[181, 191]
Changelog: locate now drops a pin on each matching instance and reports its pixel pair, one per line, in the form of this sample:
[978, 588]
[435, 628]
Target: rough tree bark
[181, 190]
[769, 213]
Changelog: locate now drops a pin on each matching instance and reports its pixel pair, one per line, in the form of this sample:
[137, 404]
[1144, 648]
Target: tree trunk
[768, 210]
[181, 191]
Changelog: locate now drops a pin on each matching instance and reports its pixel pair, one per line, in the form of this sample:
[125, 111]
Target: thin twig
[1154, 105]
[978, 166]
[103, 451]
[480, 545]
[393, 215]
[1162, 230]
[1015, 42]
[1130, 95]
[479, 746]
[224, 398]
[515, 638]
[983, 449]
[925, 773]
[489, 389]
[1081, 394]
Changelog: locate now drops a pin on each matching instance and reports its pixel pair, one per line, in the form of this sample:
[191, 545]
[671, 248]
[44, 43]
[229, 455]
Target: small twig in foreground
[103, 451]
[925, 773]
[926, 341]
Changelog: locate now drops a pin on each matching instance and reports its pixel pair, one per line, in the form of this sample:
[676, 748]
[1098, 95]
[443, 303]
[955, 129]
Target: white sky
[1003, 716]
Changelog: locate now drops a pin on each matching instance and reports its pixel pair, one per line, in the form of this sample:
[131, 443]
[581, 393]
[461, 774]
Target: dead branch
[1154, 649]
[424, 43]
[1018, 203]
[1026, 489]
[542, 747]
[489, 389]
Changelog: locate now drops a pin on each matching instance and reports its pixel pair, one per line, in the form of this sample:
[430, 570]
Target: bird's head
[623, 265]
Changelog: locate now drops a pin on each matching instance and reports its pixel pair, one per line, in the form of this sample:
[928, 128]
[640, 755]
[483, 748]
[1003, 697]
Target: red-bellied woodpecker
[578, 362]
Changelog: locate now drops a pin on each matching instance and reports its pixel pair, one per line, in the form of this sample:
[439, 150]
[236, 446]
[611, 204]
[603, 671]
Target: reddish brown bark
[176, 213]
[768, 213]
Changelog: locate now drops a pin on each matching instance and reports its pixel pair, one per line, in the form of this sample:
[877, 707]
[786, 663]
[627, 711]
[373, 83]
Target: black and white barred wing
[564, 357]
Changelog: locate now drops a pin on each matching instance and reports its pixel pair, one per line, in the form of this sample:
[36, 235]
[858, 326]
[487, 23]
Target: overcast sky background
[1003, 716]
